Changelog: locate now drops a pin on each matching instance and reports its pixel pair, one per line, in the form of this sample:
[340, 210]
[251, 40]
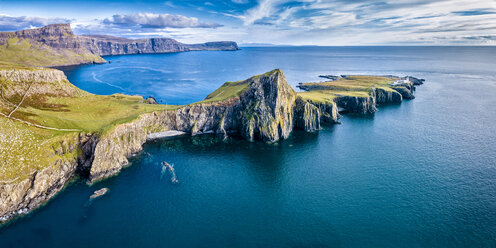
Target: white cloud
[341, 22]
[10, 23]
[150, 20]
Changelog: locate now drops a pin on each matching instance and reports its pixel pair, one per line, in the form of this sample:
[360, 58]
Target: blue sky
[292, 22]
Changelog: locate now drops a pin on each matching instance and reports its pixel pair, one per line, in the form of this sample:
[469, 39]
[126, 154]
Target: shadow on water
[267, 159]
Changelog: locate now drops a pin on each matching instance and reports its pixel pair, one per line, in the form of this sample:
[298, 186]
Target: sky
[278, 22]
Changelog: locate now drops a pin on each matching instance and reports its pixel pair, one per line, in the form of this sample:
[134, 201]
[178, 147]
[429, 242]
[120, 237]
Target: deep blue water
[419, 174]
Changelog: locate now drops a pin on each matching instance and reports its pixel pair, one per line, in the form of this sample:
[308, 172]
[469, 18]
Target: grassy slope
[226, 91]
[358, 86]
[233, 89]
[24, 148]
[24, 53]
[90, 113]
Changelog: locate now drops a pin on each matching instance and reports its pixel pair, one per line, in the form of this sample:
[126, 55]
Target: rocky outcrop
[58, 36]
[307, 115]
[406, 92]
[213, 46]
[267, 107]
[357, 104]
[20, 197]
[310, 115]
[414, 80]
[42, 81]
[382, 95]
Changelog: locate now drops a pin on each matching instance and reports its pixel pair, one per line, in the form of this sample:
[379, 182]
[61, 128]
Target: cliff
[37, 104]
[361, 94]
[57, 45]
[262, 107]
[51, 131]
[107, 45]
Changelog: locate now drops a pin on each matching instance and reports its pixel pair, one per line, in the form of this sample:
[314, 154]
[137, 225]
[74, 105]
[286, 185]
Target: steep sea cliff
[263, 107]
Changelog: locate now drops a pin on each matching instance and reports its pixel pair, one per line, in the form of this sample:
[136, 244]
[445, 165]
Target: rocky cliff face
[386, 96]
[108, 45]
[21, 197]
[307, 115]
[267, 110]
[42, 81]
[59, 36]
[103, 45]
[357, 104]
[264, 111]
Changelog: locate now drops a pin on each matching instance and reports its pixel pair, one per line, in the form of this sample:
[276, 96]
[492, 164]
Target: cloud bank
[10, 23]
[150, 20]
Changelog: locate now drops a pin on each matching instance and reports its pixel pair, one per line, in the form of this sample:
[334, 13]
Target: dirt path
[22, 100]
[40, 126]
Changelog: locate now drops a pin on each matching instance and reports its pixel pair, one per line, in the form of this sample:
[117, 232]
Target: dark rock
[330, 77]
[151, 100]
[355, 104]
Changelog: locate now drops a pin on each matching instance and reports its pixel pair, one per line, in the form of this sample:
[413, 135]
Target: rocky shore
[263, 107]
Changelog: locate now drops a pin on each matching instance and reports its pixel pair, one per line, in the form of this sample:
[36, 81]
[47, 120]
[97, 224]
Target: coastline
[243, 107]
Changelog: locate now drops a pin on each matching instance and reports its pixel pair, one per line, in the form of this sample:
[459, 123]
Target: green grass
[226, 91]
[317, 96]
[25, 149]
[356, 86]
[233, 89]
[91, 113]
[22, 52]
[357, 83]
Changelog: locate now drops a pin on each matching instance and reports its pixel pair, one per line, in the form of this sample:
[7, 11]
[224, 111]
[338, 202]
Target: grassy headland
[356, 86]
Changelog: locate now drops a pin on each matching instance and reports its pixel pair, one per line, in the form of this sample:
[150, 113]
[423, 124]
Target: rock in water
[99, 193]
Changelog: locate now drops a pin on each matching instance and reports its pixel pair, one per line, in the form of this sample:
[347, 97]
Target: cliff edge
[57, 45]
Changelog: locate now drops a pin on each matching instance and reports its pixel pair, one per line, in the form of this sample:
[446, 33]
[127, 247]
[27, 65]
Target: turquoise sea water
[419, 174]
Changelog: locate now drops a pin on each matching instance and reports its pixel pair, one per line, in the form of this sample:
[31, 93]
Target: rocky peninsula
[46, 150]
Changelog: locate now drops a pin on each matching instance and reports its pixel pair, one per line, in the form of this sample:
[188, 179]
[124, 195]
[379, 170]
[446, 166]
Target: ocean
[419, 174]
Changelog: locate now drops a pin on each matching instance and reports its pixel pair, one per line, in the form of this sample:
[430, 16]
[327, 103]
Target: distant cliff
[57, 45]
[108, 45]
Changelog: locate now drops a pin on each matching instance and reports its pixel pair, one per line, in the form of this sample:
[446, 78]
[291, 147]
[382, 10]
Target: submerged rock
[99, 193]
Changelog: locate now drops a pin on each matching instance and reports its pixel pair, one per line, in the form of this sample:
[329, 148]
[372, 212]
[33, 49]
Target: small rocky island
[99, 193]
[51, 131]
